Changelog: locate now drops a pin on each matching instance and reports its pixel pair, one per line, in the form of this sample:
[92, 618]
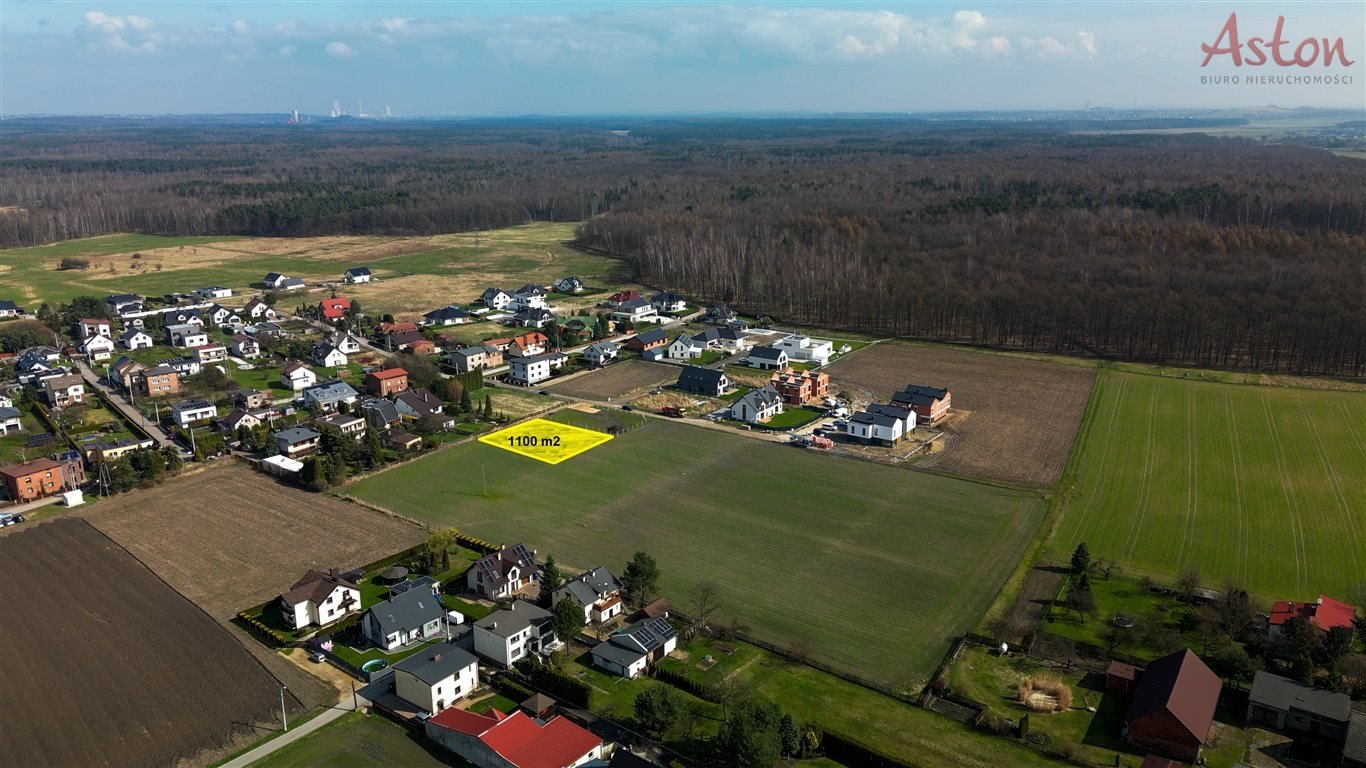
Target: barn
[1173, 707]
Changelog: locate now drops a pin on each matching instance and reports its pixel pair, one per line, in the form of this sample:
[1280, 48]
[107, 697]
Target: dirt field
[1024, 414]
[229, 538]
[618, 380]
[108, 666]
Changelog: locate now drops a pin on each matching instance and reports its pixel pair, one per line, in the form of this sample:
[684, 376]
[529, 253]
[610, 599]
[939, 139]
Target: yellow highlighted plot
[547, 441]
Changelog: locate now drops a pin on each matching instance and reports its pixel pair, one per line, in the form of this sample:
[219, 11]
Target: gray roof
[877, 419]
[653, 335]
[634, 304]
[604, 347]
[622, 657]
[768, 353]
[340, 419]
[437, 662]
[894, 411]
[382, 409]
[645, 636]
[160, 370]
[131, 332]
[9, 413]
[1356, 738]
[297, 434]
[446, 313]
[407, 611]
[760, 399]
[694, 377]
[1282, 693]
[512, 620]
[590, 586]
[919, 395]
[332, 391]
[538, 358]
[190, 405]
[355, 271]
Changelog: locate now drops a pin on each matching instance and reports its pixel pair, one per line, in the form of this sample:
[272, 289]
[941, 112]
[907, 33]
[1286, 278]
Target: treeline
[1188, 249]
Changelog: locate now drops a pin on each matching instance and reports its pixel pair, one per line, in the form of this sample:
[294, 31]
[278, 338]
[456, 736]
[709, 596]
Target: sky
[517, 58]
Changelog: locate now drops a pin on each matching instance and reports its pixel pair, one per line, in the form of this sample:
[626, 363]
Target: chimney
[436, 657]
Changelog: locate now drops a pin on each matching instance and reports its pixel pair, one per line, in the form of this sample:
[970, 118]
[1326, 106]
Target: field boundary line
[1301, 557]
[1192, 477]
[1335, 485]
[1239, 494]
[1146, 492]
[1105, 477]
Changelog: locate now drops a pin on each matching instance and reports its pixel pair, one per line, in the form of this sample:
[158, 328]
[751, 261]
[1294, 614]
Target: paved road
[129, 412]
[342, 707]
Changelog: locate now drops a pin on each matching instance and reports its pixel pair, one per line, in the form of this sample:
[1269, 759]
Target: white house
[245, 346]
[499, 574]
[328, 356]
[136, 338]
[331, 395]
[767, 358]
[495, 298]
[10, 309]
[186, 335]
[346, 424]
[357, 275]
[221, 315]
[404, 619]
[571, 284]
[601, 353]
[210, 353]
[508, 636]
[628, 652]
[298, 376]
[10, 419]
[598, 591]
[98, 347]
[188, 412]
[685, 347]
[635, 311]
[214, 292]
[806, 349]
[319, 598]
[876, 428]
[757, 405]
[95, 326]
[906, 416]
[346, 343]
[668, 302]
[436, 678]
[257, 309]
[274, 280]
[528, 371]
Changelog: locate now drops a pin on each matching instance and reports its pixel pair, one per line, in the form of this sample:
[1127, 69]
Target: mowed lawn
[1258, 485]
[361, 741]
[877, 566]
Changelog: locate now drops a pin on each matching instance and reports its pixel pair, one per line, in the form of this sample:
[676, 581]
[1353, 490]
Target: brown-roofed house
[386, 382]
[1173, 707]
[319, 598]
[32, 480]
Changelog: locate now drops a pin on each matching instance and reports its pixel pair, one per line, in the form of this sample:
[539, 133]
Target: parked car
[10, 518]
[627, 408]
[317, 657]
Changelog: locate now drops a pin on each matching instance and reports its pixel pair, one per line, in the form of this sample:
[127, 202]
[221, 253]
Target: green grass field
[361, 741]
[878, 567]
[1258, 485]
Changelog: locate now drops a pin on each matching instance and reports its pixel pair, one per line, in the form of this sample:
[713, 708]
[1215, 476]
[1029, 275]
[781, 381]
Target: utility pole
[284, 718]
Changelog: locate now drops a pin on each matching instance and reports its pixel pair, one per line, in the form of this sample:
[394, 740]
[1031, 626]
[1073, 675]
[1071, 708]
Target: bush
[71, 262]
[1044, 694]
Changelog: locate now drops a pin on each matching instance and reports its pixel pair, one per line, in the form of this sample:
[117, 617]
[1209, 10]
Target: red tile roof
[1325, 614]
[335, 308]
[521, 740]
[389, 373]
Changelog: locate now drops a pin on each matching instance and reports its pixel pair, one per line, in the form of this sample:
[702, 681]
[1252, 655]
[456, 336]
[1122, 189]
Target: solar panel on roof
[411, 584]
[35, 441]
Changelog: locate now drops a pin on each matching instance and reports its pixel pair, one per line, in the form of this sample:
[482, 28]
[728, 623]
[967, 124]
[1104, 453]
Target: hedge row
[478, 545]
[261, 631]
[568, 690]
[703, 691]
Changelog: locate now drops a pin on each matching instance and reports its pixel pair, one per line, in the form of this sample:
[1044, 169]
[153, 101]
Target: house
[221, 315]
[136, 338]
[97, 347]
[1323, 614]
[357, 275]
[496, 740]
[334, 309]
[806, 349]
[685, 348]
[186, 335]
[906, 416]
[494, 298]
[281, 466]
[507, 636]
[570, 285]
[418, 403]
[528, 371]
[380, 414]
[1173, 707]
[252, 398]
[386, 382]
[257, 309]
[185, 366]
[297, 441]
[757, 405]
[11, 420]
[533, 317]
[33, 480]
[118, 302]
[188, 412]
[451, 315]
[650, 339]
[345, 423]
[528, 344]
[298, 376]
[719, 315]
[634, 311]
[274, 281]
[399, 326]
[929, 403]
[121, 372]
[406, 618]
[405, 339]
[213, 292]
[601, 353]
[92, 326]
[210, 353]
[628, 652]
[158, 381]
[875, 428]
[597, 591]
[64, 390]
[667, 303]
[402, 441]
[703, 381]
[245, 347]
[330, 396]
[800, 387]
[236, 419]
[473, 358]
[728, 339]
[621, 297]
[319, 599]
[437, 677]
[327, 355]
[100, 451]
[767, 358]
[182, 316]
[501, 573]
[1299, 710]
[9, 309]
[348, 344]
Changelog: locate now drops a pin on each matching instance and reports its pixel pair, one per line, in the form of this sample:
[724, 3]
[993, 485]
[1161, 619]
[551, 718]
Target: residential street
[342, 707]
[129, 412]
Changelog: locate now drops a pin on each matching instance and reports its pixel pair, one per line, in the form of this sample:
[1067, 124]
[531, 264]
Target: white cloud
[339, 50]
[286, 51]
[1087, 42]
[241, 27]
[998, 46]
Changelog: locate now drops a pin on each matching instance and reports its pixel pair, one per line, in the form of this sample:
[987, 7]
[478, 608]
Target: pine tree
[466, 402]
[488, 407]
[551, 580]
[789, 736]
[1081, 559]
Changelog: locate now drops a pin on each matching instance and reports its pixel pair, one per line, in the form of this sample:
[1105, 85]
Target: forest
[1220, 252]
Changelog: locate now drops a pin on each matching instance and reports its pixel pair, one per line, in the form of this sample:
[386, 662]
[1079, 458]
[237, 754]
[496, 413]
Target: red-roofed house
[386, 382]
[496, 740]
[334, 309]
[1323, 615]
[1173, 707]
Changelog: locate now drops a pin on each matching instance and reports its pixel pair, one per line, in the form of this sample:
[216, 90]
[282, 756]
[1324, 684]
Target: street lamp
[283, 717]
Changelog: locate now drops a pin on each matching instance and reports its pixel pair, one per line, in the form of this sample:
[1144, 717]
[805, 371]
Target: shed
[539, 706]
[1121, 677]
